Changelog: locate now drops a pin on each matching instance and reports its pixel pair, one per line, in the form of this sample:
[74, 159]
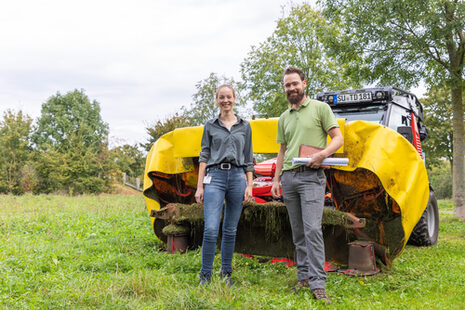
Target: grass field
[99, 252]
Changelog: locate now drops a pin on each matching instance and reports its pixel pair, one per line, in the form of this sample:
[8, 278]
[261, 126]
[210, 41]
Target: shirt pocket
[217, 140]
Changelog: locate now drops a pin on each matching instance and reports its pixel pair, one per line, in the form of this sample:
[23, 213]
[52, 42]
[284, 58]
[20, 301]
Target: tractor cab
[389, 106]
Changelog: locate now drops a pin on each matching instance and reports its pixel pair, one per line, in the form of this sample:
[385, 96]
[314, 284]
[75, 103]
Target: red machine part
[261, 191]
[266, 168]
[415, 134]
[289, 262]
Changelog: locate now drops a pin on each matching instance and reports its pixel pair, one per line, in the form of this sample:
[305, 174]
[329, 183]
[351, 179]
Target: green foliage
[77, 170]
[440, 177]
[438, 120]
[99, 252]
[405, 41]
[49, 165]
[162, 127]
[203, 106]
[15, 150]
[86, 170]
[401, 41]
[72, 155]
[29, 178]
[128, 159]
[301, 39]
[63, 116]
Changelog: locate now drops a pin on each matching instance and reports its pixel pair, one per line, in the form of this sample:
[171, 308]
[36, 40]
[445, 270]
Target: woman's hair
[223, 86]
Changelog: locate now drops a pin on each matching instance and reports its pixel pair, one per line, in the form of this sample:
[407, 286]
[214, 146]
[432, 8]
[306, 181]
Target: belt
[223, 166]
[302, 169]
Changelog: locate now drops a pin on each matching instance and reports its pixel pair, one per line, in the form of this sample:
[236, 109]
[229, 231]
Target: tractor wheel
[425, 233]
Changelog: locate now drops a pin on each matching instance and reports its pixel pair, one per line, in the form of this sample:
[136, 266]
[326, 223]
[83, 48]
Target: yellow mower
[381, 198]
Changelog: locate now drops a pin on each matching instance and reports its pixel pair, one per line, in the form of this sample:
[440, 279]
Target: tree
[404, 41]
[129, 159]
[72, 151]
[301, 39]
[76, 170]
[49, 166]
[161, 127]
[88, 171]
[440, 177]
[15, 149]
[62, 116]
[203, 106]
[438, 120]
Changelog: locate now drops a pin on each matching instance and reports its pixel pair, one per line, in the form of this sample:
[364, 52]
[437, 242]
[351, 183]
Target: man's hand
[199, 194]
[275, 190]
[316, 160]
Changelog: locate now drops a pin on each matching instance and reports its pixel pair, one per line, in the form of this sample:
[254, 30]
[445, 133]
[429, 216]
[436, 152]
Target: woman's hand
[199, 194]
[248, 193]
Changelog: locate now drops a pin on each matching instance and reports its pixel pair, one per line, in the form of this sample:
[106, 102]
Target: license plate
[357, 97]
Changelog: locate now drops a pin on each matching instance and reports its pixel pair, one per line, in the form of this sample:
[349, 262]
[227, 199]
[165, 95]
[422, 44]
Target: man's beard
[295, 99]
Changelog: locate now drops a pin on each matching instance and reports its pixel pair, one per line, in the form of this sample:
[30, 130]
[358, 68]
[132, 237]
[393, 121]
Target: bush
[440, 177]
[29, 179]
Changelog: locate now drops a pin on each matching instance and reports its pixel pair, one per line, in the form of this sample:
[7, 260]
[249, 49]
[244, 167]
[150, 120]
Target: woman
[225, 175]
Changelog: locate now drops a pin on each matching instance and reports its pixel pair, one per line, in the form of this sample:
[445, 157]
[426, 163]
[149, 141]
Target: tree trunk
[458, 150]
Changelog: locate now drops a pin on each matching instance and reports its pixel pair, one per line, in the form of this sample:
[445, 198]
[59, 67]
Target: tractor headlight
[379, 95]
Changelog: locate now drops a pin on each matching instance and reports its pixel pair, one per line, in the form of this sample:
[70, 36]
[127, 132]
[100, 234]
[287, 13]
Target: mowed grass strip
[99, 252]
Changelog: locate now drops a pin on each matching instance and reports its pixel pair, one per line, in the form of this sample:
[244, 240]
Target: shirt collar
[217, 119]
[303, 105]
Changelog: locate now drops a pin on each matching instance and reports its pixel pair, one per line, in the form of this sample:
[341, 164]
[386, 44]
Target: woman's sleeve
[248, 152]
[205, 145]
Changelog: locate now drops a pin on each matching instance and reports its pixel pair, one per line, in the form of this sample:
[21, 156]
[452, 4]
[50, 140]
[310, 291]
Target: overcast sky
[139, 59]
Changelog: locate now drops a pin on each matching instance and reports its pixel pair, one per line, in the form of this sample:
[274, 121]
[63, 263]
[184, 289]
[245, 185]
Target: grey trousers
[303, 194]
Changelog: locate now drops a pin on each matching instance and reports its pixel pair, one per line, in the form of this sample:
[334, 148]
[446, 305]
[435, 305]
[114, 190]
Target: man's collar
[304, 104]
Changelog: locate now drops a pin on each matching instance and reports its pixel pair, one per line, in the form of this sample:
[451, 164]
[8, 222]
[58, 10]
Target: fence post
[138, 183]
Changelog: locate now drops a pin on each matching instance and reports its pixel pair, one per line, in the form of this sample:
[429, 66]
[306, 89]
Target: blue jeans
[225, 186]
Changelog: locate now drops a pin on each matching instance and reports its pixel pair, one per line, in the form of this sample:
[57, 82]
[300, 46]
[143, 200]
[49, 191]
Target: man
[308, 122]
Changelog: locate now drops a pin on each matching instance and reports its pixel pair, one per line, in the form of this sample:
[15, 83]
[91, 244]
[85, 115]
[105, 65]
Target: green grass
[99, 252]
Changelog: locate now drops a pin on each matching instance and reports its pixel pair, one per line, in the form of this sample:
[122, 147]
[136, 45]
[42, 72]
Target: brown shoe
[300, 284]
[319, 293]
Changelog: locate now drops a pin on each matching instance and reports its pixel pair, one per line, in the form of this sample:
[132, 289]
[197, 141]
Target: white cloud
[139, 59]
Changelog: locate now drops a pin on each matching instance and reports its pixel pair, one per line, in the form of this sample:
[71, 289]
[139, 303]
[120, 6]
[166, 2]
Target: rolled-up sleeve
[280, 137]
[248, 151]
[205, 145]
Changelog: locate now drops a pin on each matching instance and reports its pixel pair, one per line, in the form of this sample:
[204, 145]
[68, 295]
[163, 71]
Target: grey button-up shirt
[220, 145]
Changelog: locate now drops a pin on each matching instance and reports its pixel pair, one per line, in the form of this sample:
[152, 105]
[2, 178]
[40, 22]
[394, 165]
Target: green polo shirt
[309, 125]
